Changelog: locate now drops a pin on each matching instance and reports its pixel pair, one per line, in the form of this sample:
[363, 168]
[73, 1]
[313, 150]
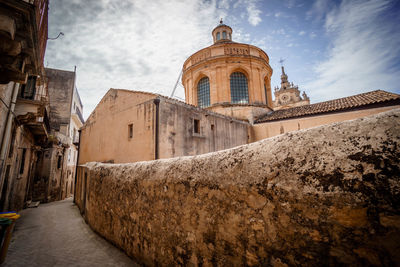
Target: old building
[24, 112]
[288, 95]
[55, 179]
[226, 78]
[129, 126]
[229, 78]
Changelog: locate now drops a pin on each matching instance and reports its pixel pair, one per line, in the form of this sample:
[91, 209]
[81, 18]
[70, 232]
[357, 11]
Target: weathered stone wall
[177, 136]
[329, 195]
[61, 87]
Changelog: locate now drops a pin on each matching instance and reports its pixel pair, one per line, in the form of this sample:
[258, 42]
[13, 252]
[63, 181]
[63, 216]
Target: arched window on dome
[224, 35]
[239, 89]
[230, 37]
[218, 36]
[203, 93]
[266, 93]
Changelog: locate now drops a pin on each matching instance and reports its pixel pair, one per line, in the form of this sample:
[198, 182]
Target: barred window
[218, 36]
[224, 35]
[203, 93]
[239, 91]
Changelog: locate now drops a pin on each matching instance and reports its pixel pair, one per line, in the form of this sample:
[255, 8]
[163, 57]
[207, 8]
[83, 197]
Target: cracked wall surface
[329, 195]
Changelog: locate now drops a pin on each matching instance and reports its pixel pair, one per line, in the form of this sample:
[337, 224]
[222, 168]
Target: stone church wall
[329, 195]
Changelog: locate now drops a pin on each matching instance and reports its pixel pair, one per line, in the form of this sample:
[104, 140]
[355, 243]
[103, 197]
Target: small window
[22, 167]
[28, 90]
[224, 35]
[59, 161]
[230, 37]
[212, 127]
[218, 36]
[196, 126]
[130, 131]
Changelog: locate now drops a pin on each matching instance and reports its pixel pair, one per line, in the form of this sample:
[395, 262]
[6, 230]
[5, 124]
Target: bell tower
[288, 95]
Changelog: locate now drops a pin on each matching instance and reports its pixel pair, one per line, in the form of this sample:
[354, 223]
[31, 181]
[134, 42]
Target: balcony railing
[35, 97]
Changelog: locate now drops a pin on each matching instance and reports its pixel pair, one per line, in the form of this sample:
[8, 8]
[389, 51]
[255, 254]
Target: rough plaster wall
[177, 137]
[324, 196]
[104, 136]
[60, 86]
[5, 95]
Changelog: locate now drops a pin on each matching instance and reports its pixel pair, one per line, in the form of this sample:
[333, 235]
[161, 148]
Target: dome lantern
[222, 33]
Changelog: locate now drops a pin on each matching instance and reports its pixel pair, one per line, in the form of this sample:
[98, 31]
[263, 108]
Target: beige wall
[218, 62]
[268, 129]
[241, 112]
[311, 198]
[104, 136]
[177, 137]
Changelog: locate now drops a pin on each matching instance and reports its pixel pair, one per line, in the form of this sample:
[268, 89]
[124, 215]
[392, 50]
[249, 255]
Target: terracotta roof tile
[344, 103]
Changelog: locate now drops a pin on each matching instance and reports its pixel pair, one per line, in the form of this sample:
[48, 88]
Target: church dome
[228, 77]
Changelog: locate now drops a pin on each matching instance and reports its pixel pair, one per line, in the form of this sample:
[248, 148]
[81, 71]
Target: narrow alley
[55, 234]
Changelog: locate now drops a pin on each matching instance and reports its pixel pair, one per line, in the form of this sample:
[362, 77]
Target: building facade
[24, 112]
[55, 178]
[129, 126]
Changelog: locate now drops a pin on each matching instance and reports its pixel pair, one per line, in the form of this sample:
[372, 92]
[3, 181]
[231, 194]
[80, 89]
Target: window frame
[237, 79]
[203, 92]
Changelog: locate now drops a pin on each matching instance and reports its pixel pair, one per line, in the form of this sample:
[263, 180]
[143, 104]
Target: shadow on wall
[323, 196]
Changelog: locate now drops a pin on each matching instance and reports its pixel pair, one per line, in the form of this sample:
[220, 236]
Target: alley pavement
[55, 234]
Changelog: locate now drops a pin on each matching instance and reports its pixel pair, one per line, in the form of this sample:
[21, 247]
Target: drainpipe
[77, 162]
[156, 152]
[5, 140]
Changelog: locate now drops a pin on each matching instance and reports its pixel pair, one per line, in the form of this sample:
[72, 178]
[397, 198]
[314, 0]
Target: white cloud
[278, 14]
[302, 33]
[312, 35]
[363, 51]
[319, 9]
[253, 11]
[138, 45]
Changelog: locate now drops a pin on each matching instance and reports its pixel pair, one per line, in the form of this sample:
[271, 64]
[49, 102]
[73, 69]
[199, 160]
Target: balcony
[23, 40]
[32, 112]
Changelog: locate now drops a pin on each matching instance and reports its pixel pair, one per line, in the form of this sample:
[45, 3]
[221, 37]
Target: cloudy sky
[331, 48]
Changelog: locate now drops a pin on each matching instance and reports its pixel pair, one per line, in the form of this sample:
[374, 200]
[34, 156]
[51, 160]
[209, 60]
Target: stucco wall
[273, 128]
[104, 136]
[323, 196]
[177, 137]
[218, 62]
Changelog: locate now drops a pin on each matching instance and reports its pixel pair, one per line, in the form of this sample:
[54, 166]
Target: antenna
[176, 84]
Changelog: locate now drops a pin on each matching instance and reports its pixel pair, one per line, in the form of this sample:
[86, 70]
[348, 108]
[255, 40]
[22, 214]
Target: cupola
[222, 33]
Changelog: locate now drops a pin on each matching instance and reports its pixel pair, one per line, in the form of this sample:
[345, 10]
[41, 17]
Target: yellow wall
[105, 134]
[269, 129]
[218, 62]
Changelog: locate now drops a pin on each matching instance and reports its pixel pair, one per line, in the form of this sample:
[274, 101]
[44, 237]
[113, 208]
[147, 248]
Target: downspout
[7, 129]
[156, 146]
[77, 162]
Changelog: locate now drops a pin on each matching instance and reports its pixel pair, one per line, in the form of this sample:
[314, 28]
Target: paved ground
[55, 234]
